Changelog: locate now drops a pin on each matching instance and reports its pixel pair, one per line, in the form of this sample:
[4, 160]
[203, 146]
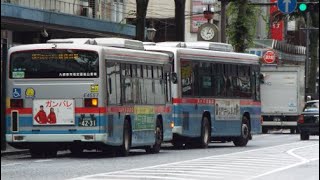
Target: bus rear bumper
[177, 130]
[25, 138]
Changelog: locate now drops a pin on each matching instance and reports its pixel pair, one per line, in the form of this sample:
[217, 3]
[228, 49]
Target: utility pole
[3, 92]
[223, 20]
[141, 12]
[307, 61]
[180, 19]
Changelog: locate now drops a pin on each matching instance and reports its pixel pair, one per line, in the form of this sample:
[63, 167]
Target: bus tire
[155, 148]
[243, 139]
[205, 137]
[126, 140]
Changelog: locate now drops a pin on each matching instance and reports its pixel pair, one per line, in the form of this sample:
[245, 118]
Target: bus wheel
[205, 133]
[126, 142]
[158, 140]
[243, 139]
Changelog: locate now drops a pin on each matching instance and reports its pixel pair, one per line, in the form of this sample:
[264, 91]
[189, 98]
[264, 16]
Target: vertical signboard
[197, 18]
[276, 28]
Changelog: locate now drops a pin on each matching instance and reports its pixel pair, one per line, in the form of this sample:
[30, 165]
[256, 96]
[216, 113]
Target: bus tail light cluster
[172, 124]
[91, 102]
[301, 119]
[16, 103]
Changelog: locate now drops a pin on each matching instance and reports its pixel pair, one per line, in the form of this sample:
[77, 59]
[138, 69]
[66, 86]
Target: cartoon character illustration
[41, 116]
[52, 119]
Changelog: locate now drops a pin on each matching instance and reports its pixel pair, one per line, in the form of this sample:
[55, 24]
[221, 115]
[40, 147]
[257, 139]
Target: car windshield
[311, 106]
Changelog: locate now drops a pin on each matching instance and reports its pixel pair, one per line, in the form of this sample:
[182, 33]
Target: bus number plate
[87, 122]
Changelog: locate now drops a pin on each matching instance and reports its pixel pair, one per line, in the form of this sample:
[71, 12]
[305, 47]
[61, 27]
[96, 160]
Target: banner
[276, 28]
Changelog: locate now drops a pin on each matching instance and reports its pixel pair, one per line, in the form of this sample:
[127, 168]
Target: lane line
[44, 160]
[179, 162]
[11, 164]
[303, 161]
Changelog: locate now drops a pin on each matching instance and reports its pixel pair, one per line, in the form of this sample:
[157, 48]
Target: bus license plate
[87, 122]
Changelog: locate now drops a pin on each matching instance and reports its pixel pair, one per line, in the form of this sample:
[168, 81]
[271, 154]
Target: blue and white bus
[216, 96]
[85, 93]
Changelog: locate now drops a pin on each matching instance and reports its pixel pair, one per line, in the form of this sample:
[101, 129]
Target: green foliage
[241, 26]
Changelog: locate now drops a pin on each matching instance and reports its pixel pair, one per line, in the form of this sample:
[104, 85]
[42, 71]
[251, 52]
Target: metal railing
[52, 5]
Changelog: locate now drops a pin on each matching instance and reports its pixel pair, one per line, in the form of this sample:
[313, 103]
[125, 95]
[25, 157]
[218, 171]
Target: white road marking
[44, 160]
[227, 166]
[291, 152]
[11, 164]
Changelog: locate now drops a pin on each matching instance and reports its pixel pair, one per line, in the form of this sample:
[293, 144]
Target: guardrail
[52, 5]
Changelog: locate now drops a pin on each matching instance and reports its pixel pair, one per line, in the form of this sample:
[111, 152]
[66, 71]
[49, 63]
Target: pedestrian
[41, 116]
[52, 119]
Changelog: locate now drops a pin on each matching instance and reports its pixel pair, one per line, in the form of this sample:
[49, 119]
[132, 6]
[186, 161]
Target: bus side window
[113, 78]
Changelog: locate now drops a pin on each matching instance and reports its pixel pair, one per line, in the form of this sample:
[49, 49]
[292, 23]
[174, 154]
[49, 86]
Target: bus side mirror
[174, 78]
[261, 78]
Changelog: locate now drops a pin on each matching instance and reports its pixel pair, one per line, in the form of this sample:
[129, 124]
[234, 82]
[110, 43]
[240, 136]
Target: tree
[242, 23]
[180, 19]
[313, 39]
[141, 10]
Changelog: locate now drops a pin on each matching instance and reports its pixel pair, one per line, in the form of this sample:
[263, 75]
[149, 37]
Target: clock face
[207, 33]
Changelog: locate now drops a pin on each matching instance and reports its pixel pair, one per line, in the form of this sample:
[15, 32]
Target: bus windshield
[54, 63]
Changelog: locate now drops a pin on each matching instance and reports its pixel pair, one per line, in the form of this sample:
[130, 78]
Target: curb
[14, 152]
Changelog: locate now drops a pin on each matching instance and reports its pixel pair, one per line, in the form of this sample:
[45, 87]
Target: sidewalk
[13, 151]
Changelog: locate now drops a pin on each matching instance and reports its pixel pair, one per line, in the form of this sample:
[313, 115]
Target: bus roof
[214, 46]
[114, 53]
[108, 42]
[207, 55]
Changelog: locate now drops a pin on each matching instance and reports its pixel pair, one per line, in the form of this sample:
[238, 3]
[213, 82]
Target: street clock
[208, 32]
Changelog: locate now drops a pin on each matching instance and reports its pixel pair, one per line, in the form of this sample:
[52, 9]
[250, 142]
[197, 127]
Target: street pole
[223, 21]
[307, 53]
[3, 92]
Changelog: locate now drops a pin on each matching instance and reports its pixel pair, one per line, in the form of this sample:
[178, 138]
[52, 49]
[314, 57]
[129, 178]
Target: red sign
[277, 26]
[269, 57]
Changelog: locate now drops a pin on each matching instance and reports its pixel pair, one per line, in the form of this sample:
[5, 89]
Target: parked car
[308, 122]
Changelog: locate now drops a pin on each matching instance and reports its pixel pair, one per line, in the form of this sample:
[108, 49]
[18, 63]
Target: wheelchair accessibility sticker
[16, 92]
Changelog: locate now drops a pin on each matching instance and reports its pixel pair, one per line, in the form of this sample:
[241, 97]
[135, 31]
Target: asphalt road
[268, 156]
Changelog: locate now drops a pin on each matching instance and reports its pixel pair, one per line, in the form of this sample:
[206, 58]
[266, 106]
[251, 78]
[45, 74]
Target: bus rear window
[54, 63]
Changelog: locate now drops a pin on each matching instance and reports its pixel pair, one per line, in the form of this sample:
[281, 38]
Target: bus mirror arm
[174, 78]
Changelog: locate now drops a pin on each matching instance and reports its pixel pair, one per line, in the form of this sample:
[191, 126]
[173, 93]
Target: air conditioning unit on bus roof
[214, 46]
[120, 42]
[108, 42]
[73, 41]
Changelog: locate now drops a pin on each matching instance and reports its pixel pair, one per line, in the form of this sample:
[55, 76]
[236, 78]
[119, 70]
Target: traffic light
[308, 7]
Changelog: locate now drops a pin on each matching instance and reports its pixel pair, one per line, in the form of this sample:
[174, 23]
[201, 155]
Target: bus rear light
[16, 103]
[91, 102]
[301, 119]
[14, 121]
[172, 124]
